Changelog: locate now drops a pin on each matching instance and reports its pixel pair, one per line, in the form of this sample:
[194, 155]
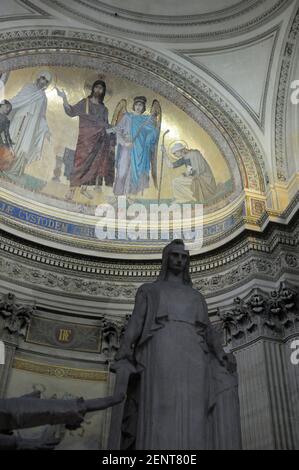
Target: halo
[54, 78]
[183, 142]
[90, 81]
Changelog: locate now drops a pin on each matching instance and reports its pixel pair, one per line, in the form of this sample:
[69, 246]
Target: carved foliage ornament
[271, 314]
[15, 317]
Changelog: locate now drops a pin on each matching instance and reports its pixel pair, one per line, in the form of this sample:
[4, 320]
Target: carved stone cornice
[253, 256]
[273, 315]
[284, 231]
[59, 371]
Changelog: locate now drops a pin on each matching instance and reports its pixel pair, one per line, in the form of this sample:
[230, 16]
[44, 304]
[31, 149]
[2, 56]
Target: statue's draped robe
[176, 398]
[94, 156]
[28, 127]
[133, 163]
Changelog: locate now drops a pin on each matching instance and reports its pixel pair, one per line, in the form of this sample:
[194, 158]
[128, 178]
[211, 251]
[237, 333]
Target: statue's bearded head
[176, 259]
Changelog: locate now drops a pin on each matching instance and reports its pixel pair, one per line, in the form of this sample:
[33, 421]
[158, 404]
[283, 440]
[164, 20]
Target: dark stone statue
[181, 386]
[31, 411]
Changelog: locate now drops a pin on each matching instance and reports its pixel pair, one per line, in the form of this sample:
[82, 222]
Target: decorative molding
[25, 321]
[58, 371]
[182, 34]
[282, 94]
[35, 255]
[81, 236]
[198, 19]
[264, 256]
[258, 207]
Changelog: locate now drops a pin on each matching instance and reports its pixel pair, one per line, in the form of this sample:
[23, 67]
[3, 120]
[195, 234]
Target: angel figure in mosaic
[137, 138]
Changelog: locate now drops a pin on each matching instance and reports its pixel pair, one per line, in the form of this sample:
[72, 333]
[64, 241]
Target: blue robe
[134, 163]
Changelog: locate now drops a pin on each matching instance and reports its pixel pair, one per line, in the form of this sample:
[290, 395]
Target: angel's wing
[156, 113]
[119, 112]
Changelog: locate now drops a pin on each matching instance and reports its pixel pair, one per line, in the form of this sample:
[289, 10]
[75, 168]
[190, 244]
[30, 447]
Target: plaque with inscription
[74, 336]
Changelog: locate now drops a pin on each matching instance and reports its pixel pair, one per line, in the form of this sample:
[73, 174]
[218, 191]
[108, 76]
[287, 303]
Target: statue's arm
[22, 413]
[29, 412]
[134, 328]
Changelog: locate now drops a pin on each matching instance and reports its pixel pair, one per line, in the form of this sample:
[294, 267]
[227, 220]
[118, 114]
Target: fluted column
[259, 331]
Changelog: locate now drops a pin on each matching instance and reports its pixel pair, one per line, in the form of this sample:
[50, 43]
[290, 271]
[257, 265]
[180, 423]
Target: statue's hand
[118, 398]
[74, 424]
[123, 364]
[125, 352]
[114, 400]
[96, 404]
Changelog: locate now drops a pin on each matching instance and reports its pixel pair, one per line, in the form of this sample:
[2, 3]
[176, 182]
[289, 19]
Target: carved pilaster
[14, 321]
[111, 334]
[259, 330]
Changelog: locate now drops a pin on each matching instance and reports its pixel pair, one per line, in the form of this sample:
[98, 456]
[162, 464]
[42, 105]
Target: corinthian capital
[15, 317]
[271, 314]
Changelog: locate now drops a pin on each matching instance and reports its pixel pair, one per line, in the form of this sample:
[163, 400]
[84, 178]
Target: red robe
[95, 151]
